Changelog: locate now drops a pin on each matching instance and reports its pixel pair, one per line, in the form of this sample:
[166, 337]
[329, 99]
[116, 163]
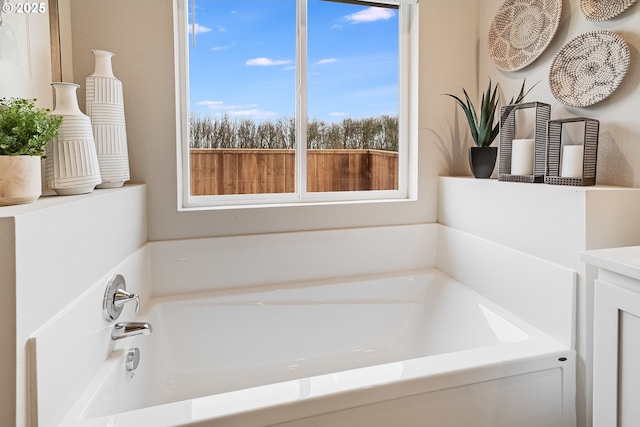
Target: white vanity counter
[616, 327]
[624, 260]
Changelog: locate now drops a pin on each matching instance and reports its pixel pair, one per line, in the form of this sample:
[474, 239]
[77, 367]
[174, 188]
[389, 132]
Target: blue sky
[244, 59]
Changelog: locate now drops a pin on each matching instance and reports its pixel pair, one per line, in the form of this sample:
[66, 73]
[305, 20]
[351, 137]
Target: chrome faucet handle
[121, 296]
[115, 296]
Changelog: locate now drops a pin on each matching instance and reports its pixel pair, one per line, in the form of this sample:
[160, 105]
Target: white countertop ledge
[623, 260]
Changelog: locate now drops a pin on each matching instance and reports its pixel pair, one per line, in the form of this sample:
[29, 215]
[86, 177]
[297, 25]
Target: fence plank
[218, 171]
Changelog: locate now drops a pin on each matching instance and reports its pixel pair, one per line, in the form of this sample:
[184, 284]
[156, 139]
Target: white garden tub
[403, 350]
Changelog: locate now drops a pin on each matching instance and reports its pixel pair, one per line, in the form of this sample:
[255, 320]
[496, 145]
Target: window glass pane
[242, 96]
[352, 97]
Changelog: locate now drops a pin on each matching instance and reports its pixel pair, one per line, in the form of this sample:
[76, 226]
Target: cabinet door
[616, 356]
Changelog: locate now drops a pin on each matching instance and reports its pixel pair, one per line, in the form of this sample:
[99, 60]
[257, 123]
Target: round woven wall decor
[589, 68]
[601, 10]
[521, 30]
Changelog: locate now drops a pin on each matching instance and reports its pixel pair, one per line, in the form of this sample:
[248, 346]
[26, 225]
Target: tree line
[375, 133]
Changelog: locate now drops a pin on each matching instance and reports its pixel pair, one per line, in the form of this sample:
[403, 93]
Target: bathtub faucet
[130, 329]
[121, 296]
[116, 296]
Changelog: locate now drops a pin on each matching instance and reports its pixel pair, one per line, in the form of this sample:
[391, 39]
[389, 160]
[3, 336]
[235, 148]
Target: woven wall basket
[601, 10]
[589, 68]
[521, 30]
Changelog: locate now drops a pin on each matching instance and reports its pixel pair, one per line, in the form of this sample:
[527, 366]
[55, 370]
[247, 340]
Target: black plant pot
[483, 161]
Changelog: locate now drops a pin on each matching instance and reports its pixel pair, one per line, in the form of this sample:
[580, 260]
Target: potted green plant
[25, 130]
[484, 128]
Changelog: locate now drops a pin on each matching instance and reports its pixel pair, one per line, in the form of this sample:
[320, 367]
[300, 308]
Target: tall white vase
[105, 107]
[71, 166]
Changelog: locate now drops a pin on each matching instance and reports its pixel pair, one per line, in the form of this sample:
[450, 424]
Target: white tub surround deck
[52, 252]
[551, 222]
[280, 354]
[293, 345]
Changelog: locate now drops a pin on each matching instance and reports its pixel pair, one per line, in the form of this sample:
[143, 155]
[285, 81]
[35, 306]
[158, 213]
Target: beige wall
[7, 321]
[619, 151]
[140, 33]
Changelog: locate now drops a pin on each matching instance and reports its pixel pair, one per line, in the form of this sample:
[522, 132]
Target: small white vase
[72, 163]
[20, 179]
[105, 107]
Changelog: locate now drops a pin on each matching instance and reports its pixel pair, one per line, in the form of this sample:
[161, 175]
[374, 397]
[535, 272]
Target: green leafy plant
[483, 129]
[25, 130]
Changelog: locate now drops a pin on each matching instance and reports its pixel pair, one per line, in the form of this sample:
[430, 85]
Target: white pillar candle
[572, 156]
[522, 156]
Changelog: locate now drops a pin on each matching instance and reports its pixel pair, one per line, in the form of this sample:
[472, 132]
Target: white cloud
[262, 62]
[337, 114]
[254, 113]
[225, 47]
[370, 14]
[237, 111]
[219, 105]
[199, 29]
[211, 104]
[326, 61]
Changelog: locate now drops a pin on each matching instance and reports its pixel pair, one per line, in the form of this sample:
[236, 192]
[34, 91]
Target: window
[295, 101]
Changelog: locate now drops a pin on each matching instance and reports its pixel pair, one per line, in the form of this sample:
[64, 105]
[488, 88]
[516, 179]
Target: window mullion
[301, 98]
[404, 102]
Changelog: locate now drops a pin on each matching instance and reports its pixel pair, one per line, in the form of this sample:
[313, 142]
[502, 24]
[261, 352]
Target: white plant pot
[20, 179]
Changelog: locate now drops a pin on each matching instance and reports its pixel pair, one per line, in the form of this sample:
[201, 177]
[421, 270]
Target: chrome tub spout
[130, 329]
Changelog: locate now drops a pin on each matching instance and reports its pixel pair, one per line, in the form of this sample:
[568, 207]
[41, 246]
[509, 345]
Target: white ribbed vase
[71, 166]
[105, 107]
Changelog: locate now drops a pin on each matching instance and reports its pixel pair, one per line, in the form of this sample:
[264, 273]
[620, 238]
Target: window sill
[207, 206]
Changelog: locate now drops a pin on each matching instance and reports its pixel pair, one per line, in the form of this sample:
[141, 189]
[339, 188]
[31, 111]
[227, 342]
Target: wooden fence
[218, 171]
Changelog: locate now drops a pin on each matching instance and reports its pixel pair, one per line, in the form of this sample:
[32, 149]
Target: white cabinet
[616, 352]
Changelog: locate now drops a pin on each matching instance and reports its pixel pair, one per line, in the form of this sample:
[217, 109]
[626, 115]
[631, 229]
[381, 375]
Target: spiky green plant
[483, 130]
[25, 130]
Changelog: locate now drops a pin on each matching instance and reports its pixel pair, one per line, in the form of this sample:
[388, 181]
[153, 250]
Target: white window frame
[407, 115]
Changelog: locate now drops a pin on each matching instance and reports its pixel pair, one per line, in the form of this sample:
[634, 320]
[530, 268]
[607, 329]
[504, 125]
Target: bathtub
[393, 350]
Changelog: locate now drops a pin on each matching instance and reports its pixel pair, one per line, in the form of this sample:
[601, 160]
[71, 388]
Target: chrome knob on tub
[130, 329]
[133, 360]
[115, 296]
